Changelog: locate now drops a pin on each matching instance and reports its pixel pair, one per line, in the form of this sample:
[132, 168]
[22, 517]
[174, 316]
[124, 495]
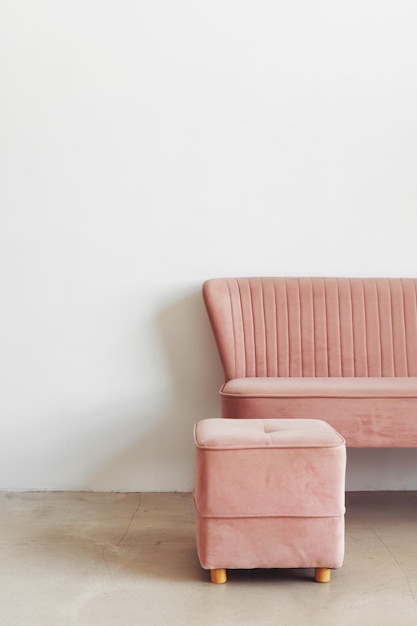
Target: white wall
[148, 145]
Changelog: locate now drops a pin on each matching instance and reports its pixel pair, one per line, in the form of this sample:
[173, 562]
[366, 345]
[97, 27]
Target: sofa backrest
[314, 326]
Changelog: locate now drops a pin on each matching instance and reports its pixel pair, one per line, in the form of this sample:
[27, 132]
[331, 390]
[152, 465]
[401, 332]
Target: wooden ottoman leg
[218, 576]
[322, 575]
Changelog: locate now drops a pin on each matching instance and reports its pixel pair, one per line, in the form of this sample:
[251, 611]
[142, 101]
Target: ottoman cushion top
[223, 433]
[271, 467]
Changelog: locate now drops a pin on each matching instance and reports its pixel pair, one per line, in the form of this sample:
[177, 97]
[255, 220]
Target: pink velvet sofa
[342, 350]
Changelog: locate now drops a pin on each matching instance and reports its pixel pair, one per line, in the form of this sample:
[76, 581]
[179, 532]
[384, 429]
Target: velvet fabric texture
[269, 493]
[339, 349]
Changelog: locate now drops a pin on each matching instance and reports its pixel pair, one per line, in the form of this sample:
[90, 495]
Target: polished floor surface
[112, 559]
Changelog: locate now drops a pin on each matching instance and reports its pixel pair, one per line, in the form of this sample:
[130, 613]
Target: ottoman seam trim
[277, 516]
[267, 446]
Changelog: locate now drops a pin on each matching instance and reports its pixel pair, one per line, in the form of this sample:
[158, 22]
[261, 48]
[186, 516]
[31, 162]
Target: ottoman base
[322, 575]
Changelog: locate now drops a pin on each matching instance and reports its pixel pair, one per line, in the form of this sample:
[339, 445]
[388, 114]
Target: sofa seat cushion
[368, 412]
[335, 387]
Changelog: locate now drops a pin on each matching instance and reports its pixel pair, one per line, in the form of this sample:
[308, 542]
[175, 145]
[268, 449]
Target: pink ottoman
[269, 493]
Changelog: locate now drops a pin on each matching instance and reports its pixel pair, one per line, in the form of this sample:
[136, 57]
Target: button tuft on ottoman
[269, 494]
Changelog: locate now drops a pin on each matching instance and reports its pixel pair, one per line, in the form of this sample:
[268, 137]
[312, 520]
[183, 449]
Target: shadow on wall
[192, 358]
[154, 435]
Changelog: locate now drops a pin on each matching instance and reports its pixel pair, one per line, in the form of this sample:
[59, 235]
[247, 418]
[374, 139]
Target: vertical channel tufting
[278, 346]
[273, 332]
[345, 309]
[314, 326]
[264, 364]
[255, 331]
[259, 328]
[399, 338]
[270, 321]
[250, 332]
[378, 305]
[306, 327]
[287, 331]
[372, 330]
[237, 329]
[283, 347]
[333, 365]
[358, 326]
[385, 322]
[404, 330]
[332, 330]
[258, 325]
[248, 325]
[294, 327]
[321, 365]
[410, 317]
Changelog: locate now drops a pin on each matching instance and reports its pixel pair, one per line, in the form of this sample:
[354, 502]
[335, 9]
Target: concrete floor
[112, 559]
